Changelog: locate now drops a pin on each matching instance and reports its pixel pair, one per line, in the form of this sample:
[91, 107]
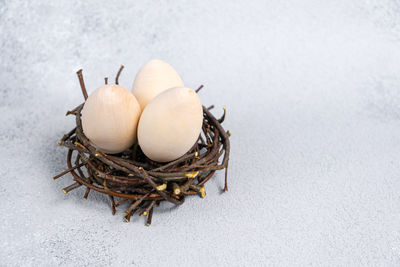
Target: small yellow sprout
[162, 187]
[191, 174]
[202, 192]
[176, 188]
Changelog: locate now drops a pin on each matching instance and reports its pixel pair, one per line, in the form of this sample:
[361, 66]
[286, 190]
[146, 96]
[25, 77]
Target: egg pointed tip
[156, 60]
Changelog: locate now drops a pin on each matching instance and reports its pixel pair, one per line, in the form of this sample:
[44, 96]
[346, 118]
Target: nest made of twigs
[131, 176]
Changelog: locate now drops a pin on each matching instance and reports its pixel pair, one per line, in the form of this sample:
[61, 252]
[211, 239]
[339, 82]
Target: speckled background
[313, 96]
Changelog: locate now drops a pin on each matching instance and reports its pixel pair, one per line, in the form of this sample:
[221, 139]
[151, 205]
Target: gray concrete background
[313, 96]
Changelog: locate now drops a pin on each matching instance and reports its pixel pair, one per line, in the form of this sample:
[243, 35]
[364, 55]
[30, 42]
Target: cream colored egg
[170, 124]
[153, 78]
[110, 117]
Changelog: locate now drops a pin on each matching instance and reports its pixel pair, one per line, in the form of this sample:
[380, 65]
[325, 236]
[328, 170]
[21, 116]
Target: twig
[148, 223]
[136, 203]
[149, 207]
[198, 89]
[67, 171]
[226, 179]
[119, 73]
[221, 120]
[121, 202]
[82, 83]
[112, 204]
[71, 187]
[85, 196]
[70, 112]
[129, 215]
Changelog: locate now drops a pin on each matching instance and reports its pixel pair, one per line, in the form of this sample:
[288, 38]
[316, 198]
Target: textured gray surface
[313, 97]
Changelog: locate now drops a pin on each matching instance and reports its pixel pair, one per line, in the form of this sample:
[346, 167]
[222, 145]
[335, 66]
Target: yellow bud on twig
[162, 187]
[191, 174]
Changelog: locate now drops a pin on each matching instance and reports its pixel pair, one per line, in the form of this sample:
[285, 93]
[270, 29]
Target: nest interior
[132, 177]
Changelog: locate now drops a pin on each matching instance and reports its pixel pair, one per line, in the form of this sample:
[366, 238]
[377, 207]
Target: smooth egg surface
[153, 78]
[110, 117]
[170, 124]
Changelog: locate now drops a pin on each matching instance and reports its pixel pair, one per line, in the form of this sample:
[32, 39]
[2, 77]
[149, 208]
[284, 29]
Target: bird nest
[132, 178]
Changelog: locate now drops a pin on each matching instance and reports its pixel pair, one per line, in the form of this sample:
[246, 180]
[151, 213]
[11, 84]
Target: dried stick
[121, 202]
[136, 203]
[221, 120]
[198, 89]
[70, 112]
[67, 171]
[71, 187]
[149, 207]
[226, 179]
[112, 204]
[82, 83]
[85, 196]
[119, 73]
[129, 215]
[148, 223]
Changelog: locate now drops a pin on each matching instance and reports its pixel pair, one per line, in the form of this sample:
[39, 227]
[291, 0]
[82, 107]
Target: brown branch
[129, 215]
[119, 73]
[112, 204]
[82, 83]
[67, 171]
[199, 189]
[85, 196]
[226, 179]
[206, 178]
[121, 202]
[136, 203]
[148, 223]
[106, 80]
[71, 187]
[200, 87]
[221, 120]
[70, 112]
[68, 135]
[149, 207]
